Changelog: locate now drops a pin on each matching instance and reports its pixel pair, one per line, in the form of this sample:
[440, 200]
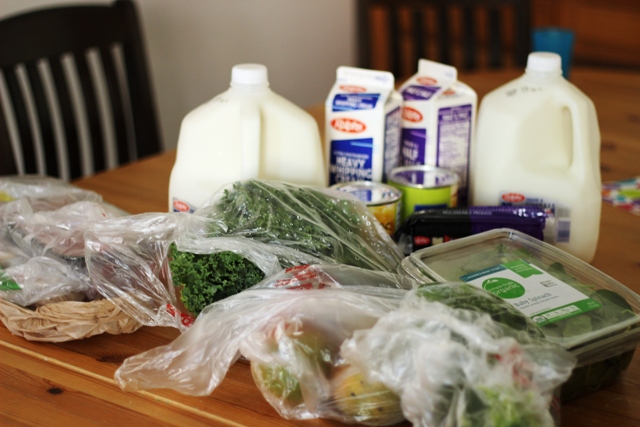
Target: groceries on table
[416, 271]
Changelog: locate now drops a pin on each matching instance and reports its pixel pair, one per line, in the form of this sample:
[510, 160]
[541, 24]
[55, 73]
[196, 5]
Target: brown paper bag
[66, 320]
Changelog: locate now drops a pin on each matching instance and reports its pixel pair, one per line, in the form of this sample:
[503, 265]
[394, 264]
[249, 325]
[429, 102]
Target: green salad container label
[536, 293]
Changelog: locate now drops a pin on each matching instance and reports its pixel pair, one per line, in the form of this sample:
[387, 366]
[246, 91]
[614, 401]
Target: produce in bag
[47, 193]
[45, 293]
[290, 327]
[163, 269]
[331, 225]
[58, 233]
[457, 366]
[41, 280]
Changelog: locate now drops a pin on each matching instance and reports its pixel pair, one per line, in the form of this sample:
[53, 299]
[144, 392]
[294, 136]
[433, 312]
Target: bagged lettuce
[459, 367]
[290, 327]
[164, 269]
[330, 225]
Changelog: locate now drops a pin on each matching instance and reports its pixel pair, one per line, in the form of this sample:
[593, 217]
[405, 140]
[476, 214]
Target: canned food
[425, 187]
[384, 201]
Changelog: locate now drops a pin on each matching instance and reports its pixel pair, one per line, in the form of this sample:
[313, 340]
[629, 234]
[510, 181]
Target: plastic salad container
[588, 313]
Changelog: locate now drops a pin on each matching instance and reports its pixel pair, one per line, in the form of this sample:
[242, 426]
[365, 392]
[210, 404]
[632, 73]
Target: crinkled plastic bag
[58, 233]
[44, 288]
[459, 367]
[10, 253]
[130, 261]
[331, 225]
[290, 327]
[50, 193]
[41, 280]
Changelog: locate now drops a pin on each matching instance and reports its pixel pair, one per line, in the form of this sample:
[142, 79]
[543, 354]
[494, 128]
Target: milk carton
[438, 119]
[363, 121]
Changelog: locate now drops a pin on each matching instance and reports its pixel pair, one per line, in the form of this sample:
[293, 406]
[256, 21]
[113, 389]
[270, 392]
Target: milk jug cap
[249, 74]
[545, 62]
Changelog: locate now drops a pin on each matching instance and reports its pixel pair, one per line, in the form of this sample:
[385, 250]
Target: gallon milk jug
[246, 132]
[538, 143]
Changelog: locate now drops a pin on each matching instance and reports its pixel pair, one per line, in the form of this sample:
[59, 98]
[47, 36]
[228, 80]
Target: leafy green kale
[207, 278]
[307, 219]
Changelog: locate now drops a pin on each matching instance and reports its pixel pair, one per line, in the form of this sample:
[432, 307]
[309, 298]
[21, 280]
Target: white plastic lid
[249, 74]
[545, 62]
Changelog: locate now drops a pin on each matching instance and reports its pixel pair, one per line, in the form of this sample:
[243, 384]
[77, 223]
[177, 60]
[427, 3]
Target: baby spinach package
[586, 312]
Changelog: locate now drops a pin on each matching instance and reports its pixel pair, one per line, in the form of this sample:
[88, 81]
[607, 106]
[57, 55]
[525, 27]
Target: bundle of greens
[205, 278]
[320, 223]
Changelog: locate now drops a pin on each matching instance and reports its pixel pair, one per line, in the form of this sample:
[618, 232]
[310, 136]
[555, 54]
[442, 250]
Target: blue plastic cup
[558, 40]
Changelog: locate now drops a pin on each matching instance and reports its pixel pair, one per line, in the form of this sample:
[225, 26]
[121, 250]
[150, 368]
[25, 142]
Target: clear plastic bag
[10, 253]
[54, 190]
[331, 225]
[290, 327]
[58, 233]
[162, 269]
[453, 366]
[41, 280]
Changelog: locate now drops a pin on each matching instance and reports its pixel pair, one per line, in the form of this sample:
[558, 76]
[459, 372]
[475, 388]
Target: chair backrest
[469, 34]
[76, 92]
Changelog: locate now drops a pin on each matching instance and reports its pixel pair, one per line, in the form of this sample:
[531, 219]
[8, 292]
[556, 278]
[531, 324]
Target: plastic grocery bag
[331, 225]
[50, 193]
[57, 233]
[45, 293]
[290, 327]
[455, 366]
[41, 280]
[163, 269]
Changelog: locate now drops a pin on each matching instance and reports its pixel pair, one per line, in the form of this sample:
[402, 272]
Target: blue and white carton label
[438, 119]
[363, 123]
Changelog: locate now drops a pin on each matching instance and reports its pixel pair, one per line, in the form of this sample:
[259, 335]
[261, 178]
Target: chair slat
[92, 111]
[67, 117]
[115, 98]
[47, 135]
[8, 164]
[22, 121]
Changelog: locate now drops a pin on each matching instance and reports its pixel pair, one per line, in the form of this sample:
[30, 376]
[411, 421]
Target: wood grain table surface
[44, 384]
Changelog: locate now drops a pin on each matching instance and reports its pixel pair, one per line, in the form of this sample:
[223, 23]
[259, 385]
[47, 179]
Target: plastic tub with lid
[588, 313]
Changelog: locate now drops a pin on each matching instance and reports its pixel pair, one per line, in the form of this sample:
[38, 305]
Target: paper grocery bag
[66, 320]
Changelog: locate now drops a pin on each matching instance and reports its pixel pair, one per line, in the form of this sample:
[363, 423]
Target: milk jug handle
[582, 159]
[250, 140]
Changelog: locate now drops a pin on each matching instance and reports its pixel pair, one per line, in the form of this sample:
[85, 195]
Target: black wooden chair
[469, 34]
[75, 81]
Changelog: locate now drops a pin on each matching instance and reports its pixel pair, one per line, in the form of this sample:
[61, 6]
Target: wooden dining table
[71, 383]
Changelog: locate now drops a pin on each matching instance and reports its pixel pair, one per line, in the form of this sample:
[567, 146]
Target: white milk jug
[538, 143]
[246, 132]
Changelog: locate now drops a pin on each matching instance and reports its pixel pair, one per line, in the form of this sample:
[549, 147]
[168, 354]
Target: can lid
[421, 176]
[249, 74]
[545, 62]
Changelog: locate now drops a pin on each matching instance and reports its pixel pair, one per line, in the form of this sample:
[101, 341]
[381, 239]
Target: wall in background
[193, 44]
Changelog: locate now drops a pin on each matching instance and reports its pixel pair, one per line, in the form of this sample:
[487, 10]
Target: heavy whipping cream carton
[363, 122]
[438, 119]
